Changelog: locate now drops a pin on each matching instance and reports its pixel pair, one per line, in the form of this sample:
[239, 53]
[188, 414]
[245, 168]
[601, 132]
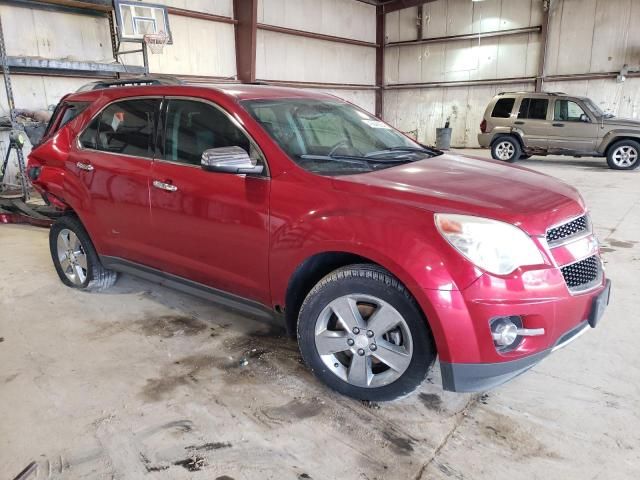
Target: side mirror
[584, 118]
[229, 160]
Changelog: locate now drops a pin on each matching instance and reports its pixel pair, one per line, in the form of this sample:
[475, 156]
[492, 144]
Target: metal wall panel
[41, 33]
[620, 99]
[424, 110]
[215, 7]
[483, 59]
[365, 99]
[285, 57]
[340, 18]
[572, 24]
[200, 47]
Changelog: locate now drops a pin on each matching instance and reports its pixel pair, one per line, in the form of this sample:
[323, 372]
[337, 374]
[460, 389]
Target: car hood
[622, 122]
[472, 186]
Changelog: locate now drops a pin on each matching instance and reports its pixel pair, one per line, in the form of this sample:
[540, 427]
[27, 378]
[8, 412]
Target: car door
[533, 122]
[111, 164]
[208, 227]
[573, 129]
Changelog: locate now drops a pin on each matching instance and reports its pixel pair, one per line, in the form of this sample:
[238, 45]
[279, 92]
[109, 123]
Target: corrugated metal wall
[286, 57]
[201, 47]
[585, 37]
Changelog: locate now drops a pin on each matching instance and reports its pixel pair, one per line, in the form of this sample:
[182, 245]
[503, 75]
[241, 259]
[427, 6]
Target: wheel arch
[310, 271]
[513, 134]
[612, 141]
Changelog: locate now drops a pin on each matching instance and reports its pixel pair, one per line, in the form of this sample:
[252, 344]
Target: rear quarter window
[63, 114]
[503, 107]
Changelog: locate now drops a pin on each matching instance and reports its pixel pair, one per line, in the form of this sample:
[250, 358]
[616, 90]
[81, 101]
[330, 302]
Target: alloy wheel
[624, 156]
[505, 151]
[363, 340]
[72, 256]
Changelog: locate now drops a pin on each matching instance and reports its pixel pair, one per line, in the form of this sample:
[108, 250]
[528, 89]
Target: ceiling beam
[393, 5]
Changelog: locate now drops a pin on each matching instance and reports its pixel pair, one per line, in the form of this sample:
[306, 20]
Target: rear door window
[503, 108]
[533, 108]
[125, 127]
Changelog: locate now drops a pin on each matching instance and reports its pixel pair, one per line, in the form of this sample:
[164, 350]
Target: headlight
[494, 246]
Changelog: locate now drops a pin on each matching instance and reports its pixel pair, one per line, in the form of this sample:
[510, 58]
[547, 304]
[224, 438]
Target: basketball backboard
[136, 19]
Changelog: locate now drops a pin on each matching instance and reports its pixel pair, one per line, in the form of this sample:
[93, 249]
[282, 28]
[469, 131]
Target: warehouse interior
[143, 381]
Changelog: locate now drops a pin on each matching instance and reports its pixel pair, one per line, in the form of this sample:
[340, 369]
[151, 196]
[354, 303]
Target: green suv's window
[533, 108]
[568, 111]
[503, 108]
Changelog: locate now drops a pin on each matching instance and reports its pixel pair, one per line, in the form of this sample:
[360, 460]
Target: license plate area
[599, 305]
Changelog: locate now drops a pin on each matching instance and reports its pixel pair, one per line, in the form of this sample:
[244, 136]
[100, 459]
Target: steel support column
[380, 39]
[546, 5]
[246, 14]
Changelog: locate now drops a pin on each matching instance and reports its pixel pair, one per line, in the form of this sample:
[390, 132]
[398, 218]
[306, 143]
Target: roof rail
[131, 82]
[553, 94]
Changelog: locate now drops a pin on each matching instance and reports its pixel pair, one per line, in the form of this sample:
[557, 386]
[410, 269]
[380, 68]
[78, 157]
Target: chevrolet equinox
[379, 253]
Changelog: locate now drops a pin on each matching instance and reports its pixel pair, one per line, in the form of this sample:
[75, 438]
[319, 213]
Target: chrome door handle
[165, 186]
[87, 167]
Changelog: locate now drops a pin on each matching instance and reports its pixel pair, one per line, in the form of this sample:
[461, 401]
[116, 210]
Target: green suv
[520, 124]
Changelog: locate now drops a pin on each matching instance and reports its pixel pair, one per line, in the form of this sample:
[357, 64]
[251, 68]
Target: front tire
[362, 334]
[75, 258]
[506, 149]
[624, 155]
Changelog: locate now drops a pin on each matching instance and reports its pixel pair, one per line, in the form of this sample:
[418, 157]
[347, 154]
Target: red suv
[378, 252]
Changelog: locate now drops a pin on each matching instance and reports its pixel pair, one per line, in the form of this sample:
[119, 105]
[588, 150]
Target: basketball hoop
[156, 41]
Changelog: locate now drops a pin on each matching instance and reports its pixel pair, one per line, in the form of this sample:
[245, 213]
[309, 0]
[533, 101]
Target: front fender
[614, 135]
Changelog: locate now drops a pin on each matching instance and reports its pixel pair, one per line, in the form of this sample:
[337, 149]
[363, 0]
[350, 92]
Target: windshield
[595, 109]
[333, 137]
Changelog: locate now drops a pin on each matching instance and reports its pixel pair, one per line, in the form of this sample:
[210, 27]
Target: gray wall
[585, 37]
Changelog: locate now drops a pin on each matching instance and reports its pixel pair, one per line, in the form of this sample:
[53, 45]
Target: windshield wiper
[353, 159]
[404, 149]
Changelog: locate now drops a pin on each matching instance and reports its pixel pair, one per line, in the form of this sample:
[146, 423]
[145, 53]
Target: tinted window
[125, 127]
[63, 114]
[533, 108]
[72, 111]
[568, 111]
[193, 127]
[503, 108]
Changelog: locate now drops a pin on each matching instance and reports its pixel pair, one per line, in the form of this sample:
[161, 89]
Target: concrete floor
[145, 382]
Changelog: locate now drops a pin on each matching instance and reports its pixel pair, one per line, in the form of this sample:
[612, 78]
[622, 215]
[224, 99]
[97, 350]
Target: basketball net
[156, 41]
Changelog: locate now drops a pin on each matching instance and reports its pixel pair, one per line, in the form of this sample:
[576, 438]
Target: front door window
[568, 111]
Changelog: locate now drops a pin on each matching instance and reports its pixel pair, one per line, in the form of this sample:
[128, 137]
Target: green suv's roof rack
[553, 94]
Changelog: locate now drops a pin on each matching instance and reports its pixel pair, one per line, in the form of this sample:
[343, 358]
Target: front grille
[583, 274]
[569, 229]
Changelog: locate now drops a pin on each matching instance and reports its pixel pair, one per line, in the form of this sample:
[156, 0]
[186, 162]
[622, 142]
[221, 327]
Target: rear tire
[75, 258]
[390, 351]
[624, 155]
[506, 149]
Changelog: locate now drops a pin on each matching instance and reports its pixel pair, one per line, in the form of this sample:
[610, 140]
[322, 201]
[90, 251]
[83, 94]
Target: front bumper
[474, 377]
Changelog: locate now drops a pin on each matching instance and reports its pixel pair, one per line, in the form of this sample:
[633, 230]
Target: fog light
[504, 333]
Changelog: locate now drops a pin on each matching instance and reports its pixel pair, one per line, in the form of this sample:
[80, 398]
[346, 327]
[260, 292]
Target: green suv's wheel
[75, 257]
[362, 333]
[506, 149]
[624, 155]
